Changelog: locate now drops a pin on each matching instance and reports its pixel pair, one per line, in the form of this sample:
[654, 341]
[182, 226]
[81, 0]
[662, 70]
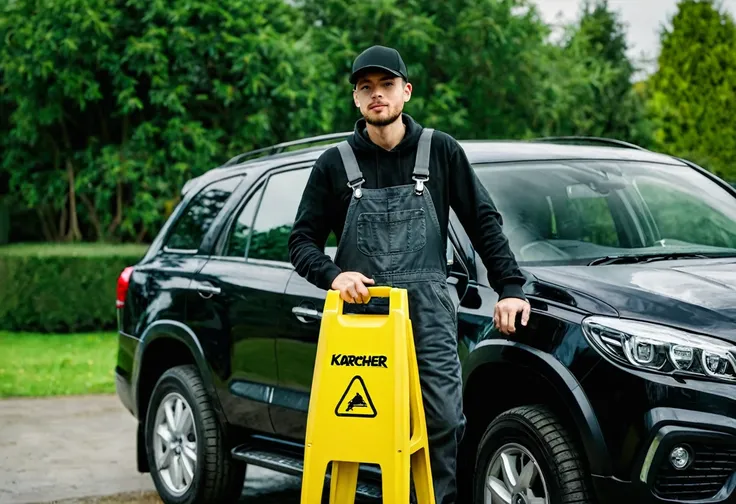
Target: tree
[693, 92]
[471, 62]
[109, 107]
[587, 84]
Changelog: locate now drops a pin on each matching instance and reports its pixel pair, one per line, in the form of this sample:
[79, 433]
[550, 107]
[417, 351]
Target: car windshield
[572, 212]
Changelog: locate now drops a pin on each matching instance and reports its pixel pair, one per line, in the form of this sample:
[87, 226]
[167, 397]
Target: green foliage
[602, 34]
[693, 93]
[111, 107]
[586, 82]
[484, 69]
[61, 289]
[471, 64]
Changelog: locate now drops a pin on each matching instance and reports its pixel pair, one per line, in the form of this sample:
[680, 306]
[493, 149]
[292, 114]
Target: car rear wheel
[526, 456]
[185, 444]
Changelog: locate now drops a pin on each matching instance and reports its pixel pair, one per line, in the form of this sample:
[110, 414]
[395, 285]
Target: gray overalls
[393, 236]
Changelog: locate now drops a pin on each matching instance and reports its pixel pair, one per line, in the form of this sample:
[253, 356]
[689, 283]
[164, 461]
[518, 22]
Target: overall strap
[352, 170]
[421, 165]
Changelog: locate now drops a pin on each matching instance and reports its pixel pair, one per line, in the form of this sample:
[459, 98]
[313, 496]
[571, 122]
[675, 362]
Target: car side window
[192, 225]
[237, 242]
[276, 215]
[681, 216]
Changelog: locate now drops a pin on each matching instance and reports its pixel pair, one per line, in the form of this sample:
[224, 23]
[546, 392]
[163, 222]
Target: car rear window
[194, 222]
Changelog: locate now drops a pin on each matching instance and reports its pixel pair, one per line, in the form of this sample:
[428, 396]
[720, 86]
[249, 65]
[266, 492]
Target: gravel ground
[81, 450]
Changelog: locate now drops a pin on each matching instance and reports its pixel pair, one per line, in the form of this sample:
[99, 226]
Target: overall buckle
[419, 186]
[356, 187]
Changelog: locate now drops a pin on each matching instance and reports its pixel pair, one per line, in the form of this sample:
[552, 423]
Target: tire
[531, 434]
[200, 445]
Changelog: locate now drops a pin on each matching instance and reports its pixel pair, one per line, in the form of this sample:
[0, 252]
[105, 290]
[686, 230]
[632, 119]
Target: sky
[642, 18]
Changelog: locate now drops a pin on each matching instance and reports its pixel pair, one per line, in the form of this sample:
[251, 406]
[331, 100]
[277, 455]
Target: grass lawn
[56, 364]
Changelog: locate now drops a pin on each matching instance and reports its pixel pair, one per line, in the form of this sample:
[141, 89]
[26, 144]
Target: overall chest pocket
[388, 233]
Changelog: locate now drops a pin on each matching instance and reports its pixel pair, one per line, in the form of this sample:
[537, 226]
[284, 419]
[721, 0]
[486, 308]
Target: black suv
[622, 388]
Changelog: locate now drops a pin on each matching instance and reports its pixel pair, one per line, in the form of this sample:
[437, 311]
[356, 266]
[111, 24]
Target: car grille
[711, 467]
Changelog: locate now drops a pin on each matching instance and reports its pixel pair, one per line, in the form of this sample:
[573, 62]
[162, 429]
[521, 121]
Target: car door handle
[207, 290]
[303, 314]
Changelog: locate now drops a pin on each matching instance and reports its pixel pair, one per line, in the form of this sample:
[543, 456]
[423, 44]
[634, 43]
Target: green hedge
[4, 221]
[61, 288]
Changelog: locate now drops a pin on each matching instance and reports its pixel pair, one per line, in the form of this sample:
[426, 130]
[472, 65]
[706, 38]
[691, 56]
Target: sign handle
[380, 291]
[336, 303]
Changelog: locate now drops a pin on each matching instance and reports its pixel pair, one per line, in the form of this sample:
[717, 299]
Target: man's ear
[355, 99]
[407, 92]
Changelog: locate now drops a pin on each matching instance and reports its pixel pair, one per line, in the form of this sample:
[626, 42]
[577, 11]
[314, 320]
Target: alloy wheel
[514, 477]
[175, 443]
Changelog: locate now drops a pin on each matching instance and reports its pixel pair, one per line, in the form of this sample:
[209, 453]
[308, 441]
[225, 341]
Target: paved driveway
[73, 447]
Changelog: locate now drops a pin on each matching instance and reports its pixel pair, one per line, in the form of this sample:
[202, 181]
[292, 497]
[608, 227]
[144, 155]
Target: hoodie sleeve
[311, 229]
[482, 222]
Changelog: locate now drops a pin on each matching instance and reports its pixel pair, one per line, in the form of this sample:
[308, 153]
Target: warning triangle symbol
[355, 401]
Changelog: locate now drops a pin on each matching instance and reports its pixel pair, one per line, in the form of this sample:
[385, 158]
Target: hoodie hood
[362, 142]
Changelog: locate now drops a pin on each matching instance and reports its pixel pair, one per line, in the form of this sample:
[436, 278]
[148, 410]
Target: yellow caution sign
[366, 404]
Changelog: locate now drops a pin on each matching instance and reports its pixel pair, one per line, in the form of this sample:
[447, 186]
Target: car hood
[694, 294]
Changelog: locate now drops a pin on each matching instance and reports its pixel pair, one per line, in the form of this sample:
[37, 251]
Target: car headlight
[661, 349]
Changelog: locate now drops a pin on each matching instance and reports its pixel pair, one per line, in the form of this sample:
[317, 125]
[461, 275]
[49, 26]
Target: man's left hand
[505, 314]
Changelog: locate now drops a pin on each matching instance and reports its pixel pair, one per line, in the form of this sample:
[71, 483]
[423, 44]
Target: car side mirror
[467, 292]
[456, 275]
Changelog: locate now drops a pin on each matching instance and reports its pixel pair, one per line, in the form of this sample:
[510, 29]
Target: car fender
[561, 379]
[173, 329]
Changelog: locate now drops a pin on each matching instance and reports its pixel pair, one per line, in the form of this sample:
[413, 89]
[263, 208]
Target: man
[386, 193]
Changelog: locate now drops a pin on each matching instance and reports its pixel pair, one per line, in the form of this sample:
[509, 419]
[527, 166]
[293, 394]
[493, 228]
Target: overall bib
[392, 235]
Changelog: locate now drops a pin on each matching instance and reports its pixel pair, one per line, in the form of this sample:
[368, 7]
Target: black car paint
[697, 295]
[615, 425]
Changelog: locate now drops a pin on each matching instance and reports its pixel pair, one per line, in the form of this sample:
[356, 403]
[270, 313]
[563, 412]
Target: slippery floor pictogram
[356, 401]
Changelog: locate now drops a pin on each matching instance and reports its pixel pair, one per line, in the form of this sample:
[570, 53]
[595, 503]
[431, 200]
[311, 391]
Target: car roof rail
[280, 147]
[580, 140]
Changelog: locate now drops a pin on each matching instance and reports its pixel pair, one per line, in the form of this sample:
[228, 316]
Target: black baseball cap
[380, 58]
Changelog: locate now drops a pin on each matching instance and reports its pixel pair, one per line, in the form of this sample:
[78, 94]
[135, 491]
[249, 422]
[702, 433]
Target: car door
[240, 308]
[168, 274]
[296, 351]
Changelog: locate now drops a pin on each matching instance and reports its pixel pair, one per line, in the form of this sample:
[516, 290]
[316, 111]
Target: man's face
[381, 97]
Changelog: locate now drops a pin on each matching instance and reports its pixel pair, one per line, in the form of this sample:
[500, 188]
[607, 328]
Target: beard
[385, 121]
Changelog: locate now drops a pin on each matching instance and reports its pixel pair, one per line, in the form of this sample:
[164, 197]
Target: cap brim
[355, 75]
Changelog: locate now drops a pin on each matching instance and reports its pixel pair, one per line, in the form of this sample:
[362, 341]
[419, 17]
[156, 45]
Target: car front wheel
[186, 448]
[526, 456]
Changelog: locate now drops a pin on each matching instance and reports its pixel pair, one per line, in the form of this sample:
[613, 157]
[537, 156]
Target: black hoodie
[452, 183]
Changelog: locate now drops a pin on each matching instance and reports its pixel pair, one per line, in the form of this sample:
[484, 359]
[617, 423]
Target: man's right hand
[352, 287]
